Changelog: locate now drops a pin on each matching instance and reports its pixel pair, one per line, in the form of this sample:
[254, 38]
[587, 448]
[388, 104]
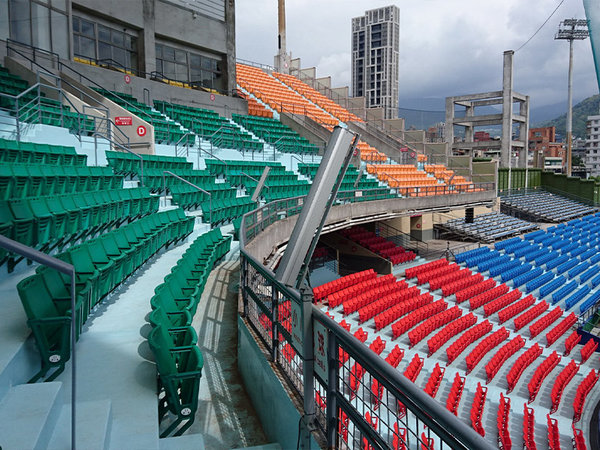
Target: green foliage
[583, 109]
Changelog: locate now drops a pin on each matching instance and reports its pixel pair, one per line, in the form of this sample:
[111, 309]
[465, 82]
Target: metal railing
[335, 408]
[167, 172]
[68, 270]
[403, 239]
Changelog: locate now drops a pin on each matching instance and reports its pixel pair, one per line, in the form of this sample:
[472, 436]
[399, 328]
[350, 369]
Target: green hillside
[586, 107]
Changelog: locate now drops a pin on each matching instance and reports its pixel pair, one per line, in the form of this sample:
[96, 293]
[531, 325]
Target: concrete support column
[231, 83]
[507, 109]
[524, 132]
[449, 124]
[147, 61]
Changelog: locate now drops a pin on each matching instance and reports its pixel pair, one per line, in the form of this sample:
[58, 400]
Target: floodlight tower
[571, 29]
[282, 59]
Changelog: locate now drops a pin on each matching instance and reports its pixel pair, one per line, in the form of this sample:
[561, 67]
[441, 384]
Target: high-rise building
[592, 152]
[375, 59]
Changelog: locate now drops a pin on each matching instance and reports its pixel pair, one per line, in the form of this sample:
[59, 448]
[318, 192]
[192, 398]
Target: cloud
[447, 47]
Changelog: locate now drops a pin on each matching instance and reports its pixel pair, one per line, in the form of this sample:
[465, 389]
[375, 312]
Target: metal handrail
[181, 139]
[69, 270]
[168, 172]
[133, 153]
[253, 179]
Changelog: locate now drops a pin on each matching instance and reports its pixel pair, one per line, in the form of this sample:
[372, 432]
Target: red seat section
[530, 314]
[486, 297]
[396, 254]
[386, 317]
[445, 280]
[433, 383]
[511, 311]
[383, 304]
[563, 378]
[414, 368]
[486, 345]
[588, 349]
[324, 290]
[542, 371]
[412, 272]
[500, 302]
[449, 331]
[582, 391]
[399, 442]
[433, 323]
[561, 328]
[528, 428]
[477, 409]
[521, 364]
[505, 352]
[544, 322]
[468, 281]
[578, 439]
[455, 394]
[573, 339]
[395, 356]
[469, 292]
[504, 441]
[406, 323]
[553, 433]
[466, 339]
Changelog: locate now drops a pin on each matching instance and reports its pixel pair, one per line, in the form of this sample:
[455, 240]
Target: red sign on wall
[141, 130]
[127, 78]
[125, 121]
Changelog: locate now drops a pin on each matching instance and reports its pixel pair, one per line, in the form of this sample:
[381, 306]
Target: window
[180, 65]
[106, 45]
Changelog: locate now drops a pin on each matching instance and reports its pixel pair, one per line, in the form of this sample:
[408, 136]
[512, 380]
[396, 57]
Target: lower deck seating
[396, 254]
[101, 264]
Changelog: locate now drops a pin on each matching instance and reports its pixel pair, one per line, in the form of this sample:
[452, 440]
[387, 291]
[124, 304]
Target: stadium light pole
[571, 29]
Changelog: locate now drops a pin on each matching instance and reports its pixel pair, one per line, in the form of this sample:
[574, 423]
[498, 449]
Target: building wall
[199, 35]
[375, 58]
[592, 153]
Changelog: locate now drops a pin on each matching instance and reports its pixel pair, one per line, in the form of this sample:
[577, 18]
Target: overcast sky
[447, 47]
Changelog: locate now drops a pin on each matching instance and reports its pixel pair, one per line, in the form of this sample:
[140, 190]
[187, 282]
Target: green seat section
[33, 106]
[172, 339]
[280, 136]
[49, 222]
[12, 151]
[224, 211]
[101, 264]
[165, 131]
[367, 188]
[210, 126]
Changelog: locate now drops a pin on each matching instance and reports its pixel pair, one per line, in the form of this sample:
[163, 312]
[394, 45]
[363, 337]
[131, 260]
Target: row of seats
[325, 290]
[34, 180]
[362, 294]
[48, 222]
[492, 307]
[543, 207]
[497, 293]
[504, 439]
[500, 357]
[223, 211]
[563, 378]
[463, 283]
[466, 339]
[588, 350]
[413, 272]
[379, 306]
[188, 197]
[100, 265]
[513, 309]
[416, 316]
[411, 304]
[540, 374]
[129, 164]
[12, 151]
[529, 315]
[544, 322]
[571, 341]
[442, 281]
[582, 391]
[469, 292]
[485, 346]
[528, 428]
[560, 329]
[178, 359]
[477, 409]
[486, 227]
[456, 391]
[433, 323]
[522, 362]
[434, 381]
[452, 329]
[377, 244]
[436, 272]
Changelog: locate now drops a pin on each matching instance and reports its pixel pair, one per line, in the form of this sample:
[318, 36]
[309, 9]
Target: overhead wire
[541, 26]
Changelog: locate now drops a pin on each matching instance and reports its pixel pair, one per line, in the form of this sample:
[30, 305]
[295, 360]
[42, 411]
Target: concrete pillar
[507, 114]
[148, 54]
[524, 132]
[469, 113]
[231, 83]
[449, 124]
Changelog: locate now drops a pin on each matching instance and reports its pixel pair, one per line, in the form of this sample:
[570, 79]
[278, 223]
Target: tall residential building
[592, 151]
[375, 58]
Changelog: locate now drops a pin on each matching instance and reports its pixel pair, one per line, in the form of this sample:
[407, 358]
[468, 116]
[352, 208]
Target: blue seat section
[557, 262]
[462, 257]
[596, 281]
[516, 271]
[591, 301]
[503, 244]
[552, 286]
[594, 259]
[537, 254]
[587, 254]
[534, 234]
[566, 266]
[495, 259]
[525, 250]
[577, 297]
[589, 274]
[569, 248]
[579, 250]
[528, 276]
[545, 258]
[579, 268]
[504, 266]
[564, 291]
[560, 243]
[540, 281]
[511, 248]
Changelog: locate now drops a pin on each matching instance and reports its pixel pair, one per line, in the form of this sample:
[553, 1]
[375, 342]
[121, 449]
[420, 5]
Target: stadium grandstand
[203, 252]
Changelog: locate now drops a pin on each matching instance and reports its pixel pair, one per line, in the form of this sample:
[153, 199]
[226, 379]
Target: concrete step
[28, 415]
[94, 421]
[185, 442]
